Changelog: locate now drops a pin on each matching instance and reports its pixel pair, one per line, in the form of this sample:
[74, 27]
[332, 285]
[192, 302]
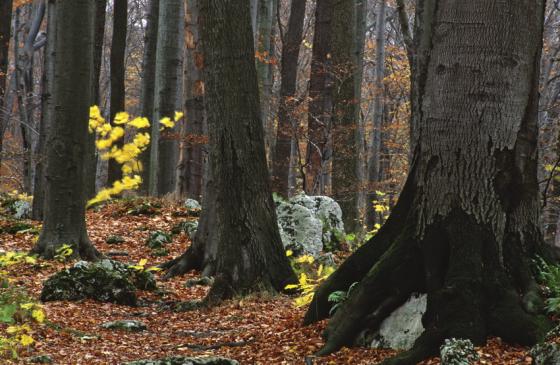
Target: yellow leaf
[38, 315]
[26, 340]
[27, 306]
[178, 115]
[12, 329]
[291, 286]
[289, 253]
[142, 262]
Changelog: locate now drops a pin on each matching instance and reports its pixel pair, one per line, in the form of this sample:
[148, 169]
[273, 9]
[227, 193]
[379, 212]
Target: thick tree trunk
[345, 163]
[466, 224]
[148, 85]
[64, 221]
[5, 27]
[287, 124]
[238, 240]
[117, 74]
[191, 167]
[164, 151]
[47, 114]
[320, 104]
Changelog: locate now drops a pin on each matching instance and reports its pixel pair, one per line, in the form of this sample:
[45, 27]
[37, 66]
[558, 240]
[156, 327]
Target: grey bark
[191, 166]
[64, 220]
[164, 151]
[117, 75]
[238, 240]
[147, 85]
[5, 30]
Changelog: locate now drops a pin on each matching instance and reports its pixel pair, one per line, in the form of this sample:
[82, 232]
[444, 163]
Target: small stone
[158, 239]
[189, 227]
[193, 206]
[115, 240]
[458, 352]
[41, 359]
[181, 360]
[203, 281]
[117, 253]
[125, 325]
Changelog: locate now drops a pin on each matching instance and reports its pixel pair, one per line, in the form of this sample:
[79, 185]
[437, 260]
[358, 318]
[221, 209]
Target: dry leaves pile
[255, 330]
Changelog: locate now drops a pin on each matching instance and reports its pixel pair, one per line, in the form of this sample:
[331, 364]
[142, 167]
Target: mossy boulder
[158, 239]
[188, 227]
[125, 325]
[547, 353]
[193, 207]
[105, 281]
[181, 360]
[114, 240]
[458, 352]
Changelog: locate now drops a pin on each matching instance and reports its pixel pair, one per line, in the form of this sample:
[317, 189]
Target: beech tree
[64, 215]
[467, 222]
[117, 74]
[237, 241]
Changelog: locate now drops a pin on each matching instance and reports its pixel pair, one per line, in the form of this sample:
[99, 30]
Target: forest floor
[262, 329]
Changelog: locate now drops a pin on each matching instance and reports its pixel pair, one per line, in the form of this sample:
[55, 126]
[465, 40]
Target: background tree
[118, 92]
[192, 155]
[164, 151]
[5, 27]
[237, 241]
[64, 220]
[467, 222]
[287, 124]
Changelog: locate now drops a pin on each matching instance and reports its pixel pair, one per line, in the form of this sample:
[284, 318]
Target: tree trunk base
[474, 289]
[49, 243]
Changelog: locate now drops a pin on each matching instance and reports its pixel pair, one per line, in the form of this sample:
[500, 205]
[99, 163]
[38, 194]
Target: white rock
[22, 209]
[192, 204]
[403, 326]
[300, 230]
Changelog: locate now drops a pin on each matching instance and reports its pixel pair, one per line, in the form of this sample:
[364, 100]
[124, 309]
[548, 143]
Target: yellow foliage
[127, 155]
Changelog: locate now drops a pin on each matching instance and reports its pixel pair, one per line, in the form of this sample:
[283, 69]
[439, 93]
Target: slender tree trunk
[64, 220]
[117, 74]
[164, 151]
[264, 51]
[374, 148]
[467, 222]
[345, 154]
[191, 167]
[47, 113]
[287, 124]
[320, 104]
[238, 240]
[148, 82]
[5, 27]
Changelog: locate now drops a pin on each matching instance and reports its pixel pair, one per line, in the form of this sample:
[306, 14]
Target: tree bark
[345, 154]
[287, 124]
[238, 240]
[164, 151]
[5, 30]
[192, 162]
[148, 82]
[466, 224]
[117, 74]
[47, 113]
[320, 103]
[374, 148]
[64, 221]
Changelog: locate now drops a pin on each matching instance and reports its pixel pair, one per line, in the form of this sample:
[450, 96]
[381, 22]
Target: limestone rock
[193, 207]
[403, 326]
[300, 230]
[189, 227]
[181, 360]
[21, 209]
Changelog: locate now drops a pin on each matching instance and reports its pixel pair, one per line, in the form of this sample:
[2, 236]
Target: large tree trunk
[148, 88]
[238, 240]
[191, 166]
[47, 114]
[164, 151]
[64, 221]
[287, 124]
[117, 74]
[466, 225]
[345, 154]
[5, 27]
[320, 104]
